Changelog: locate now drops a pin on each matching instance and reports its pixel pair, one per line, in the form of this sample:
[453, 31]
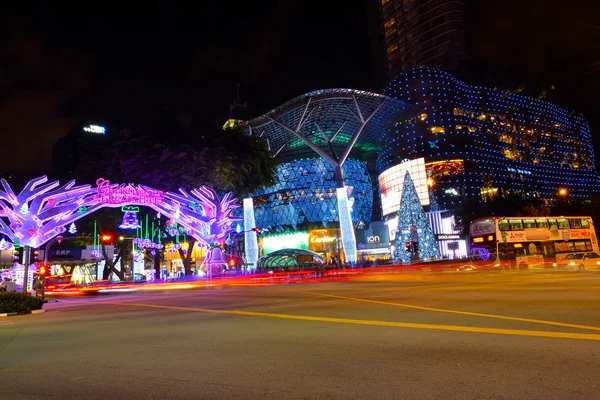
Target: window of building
[437, 129]
[390, 23]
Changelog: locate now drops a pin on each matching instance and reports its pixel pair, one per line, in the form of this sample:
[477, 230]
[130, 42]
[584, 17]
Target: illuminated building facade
[325, 140]
[407, 34]
[480, 142]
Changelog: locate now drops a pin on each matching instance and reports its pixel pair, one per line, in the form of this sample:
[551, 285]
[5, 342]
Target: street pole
[26, 252]
[132, 258]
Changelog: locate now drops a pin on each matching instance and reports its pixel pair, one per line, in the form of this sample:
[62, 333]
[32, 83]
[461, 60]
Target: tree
[226, 160]
[413, 227]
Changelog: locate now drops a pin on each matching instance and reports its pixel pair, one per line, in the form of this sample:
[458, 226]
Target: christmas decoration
[130, 219]
[4, 245]
[41, 210]
[413, 228]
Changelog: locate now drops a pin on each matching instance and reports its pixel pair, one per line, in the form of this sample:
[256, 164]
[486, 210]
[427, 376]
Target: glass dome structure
[289, 259]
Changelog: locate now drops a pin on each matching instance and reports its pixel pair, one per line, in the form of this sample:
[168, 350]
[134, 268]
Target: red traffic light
[407, 244]
[107, 238]
[257, 229]
[43, 270]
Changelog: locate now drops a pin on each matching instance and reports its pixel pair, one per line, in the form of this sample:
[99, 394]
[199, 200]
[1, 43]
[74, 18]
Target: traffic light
[257, 229]
[17, 255]
[33, 256]
[231, 262]
[43, 270]
[415, 246]
[407, 244]
[107, 238]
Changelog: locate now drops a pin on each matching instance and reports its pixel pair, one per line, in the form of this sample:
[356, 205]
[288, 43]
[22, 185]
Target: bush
[18, 302]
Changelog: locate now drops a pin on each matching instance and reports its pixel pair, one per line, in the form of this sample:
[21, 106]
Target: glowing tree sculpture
[413, 227]
[42, 211]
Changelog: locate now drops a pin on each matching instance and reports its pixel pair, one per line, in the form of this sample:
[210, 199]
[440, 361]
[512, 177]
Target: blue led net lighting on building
[305, 196]
[510, 143]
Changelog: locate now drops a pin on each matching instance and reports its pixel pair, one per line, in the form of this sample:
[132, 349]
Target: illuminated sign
[373, 239]
[391, 182]
[95, 129]
[324, 239]
[297, 240]
[447, 237]
[117, 194]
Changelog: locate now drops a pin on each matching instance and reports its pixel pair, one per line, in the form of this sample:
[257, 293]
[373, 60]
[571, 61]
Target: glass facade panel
[304, 196]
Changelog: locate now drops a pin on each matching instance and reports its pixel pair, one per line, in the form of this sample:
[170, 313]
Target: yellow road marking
[455, 328]
[474, 314]
[79, 378]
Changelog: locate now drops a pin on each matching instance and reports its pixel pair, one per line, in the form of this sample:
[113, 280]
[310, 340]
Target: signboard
[391, 183]
[95, 129]
[64, 254]
[452, 245]
[447, 237]
[118, 194]
[373, 239]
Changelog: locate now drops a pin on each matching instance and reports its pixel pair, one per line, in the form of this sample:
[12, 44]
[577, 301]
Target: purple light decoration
[50, 208]
[484, 254]
[130, 219]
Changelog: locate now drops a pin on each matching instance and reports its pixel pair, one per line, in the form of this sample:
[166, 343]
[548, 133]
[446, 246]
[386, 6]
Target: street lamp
[562, 192]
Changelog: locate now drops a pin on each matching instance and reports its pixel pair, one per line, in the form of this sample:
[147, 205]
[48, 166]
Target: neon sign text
[95, 129]
[326, 239]
[126, 194]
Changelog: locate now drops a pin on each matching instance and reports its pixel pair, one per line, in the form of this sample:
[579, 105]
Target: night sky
[131, 65]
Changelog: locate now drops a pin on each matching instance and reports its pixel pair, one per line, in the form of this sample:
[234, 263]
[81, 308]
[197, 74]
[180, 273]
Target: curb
[12, 314]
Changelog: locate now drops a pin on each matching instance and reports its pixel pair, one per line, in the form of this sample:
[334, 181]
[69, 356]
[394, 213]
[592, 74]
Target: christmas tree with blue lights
[413, 228]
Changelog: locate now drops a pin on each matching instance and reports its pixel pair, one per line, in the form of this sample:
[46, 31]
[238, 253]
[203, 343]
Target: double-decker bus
[529, 242]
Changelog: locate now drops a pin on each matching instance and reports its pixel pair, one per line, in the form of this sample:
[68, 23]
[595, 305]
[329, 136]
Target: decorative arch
[41, 211]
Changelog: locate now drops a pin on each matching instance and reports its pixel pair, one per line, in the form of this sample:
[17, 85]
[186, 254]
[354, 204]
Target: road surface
[382, 336]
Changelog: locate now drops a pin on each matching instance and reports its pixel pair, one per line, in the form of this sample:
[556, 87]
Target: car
[579, 262]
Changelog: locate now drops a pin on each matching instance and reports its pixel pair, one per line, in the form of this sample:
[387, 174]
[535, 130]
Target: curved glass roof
[288, 258]
[335, 114]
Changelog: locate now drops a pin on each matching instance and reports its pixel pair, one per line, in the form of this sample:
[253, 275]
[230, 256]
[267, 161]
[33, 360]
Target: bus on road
[529, 242]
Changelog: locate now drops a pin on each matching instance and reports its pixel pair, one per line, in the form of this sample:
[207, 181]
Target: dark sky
[62, 63]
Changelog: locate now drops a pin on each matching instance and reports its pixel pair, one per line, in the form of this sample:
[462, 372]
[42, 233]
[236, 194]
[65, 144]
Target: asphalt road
[395, 336]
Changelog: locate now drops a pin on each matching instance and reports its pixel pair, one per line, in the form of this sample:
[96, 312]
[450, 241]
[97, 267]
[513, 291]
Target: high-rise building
[406, 34]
